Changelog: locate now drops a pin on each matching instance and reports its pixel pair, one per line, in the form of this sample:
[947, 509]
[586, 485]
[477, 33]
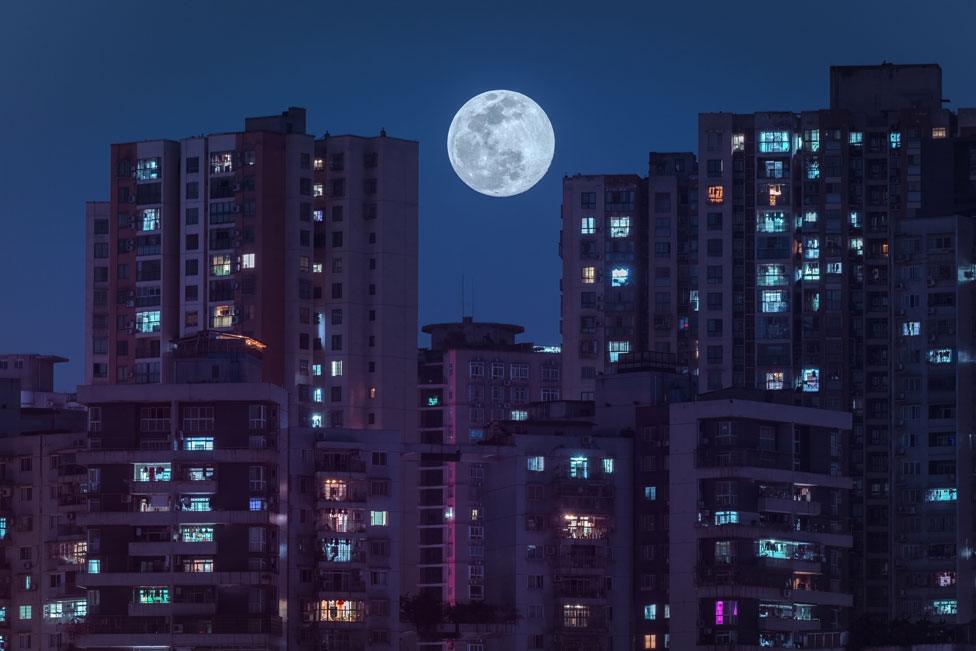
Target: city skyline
[413, 97]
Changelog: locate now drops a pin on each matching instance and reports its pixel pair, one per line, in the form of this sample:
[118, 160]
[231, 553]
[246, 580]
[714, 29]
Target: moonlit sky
[616, 79]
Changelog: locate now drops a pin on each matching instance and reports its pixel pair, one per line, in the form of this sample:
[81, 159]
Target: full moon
[501, 143]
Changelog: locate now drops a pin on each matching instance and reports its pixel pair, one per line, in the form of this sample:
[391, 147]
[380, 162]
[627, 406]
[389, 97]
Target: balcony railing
[161, 625]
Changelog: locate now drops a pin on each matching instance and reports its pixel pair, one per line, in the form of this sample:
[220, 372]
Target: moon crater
[501, 143]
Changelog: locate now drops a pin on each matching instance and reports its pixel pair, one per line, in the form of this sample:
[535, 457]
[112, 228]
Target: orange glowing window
[716, 194]
[775, 192]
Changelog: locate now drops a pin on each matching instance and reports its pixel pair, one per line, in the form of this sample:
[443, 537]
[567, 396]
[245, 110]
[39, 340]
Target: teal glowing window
[650, 612]
[617, 348]
[316, 369]
[317, 394]
[770, 548]
[94, 566]
[199, 473]
[153, 595]
[774, 142]
[911, 329]
[855, 219]
[810, 217]
[3, 615]
[72, 609]
[693, 299]
[726, 517]
[257, 504]
[337, 550]
[147, 321]
[608, 466]
[857, 245]
[811, 248]
[774, 300]
[810, 380]
[198, 443]
[379, 518]
[535, 464]
[835, 267]
[619, 277]
[195, 504]
[941, 495]
[894, 139]
[813, 169]
[197, 533]
[151, 472]
[149, 219]
[433, 401]
[147, 169]
[856, 138]
[650, 493]
[620, 226]
[771, 275]
[3, 528]
[944, 607]
[940, 356]
[588, 226]
[26, 612]
[811, 271]
[771, 222]
[579, 467]
[519, 414]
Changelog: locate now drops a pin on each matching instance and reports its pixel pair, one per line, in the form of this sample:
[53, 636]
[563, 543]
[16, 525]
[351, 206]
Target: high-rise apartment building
[234, 232]
[834, 262]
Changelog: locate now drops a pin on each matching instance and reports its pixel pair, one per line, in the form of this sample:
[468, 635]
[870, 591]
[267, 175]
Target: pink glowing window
[726, 612]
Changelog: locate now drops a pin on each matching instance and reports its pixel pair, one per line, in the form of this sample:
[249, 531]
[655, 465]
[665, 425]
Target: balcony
[786, 624]
[169, 548]
[788, 505]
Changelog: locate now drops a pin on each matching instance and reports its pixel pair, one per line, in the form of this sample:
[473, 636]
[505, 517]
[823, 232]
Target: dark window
[193, 165]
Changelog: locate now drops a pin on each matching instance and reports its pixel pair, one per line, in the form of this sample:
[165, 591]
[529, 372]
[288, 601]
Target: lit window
[941, 495]
[579, 468]
[940, 356]
[617, 348]
[475, 435]
[619, 277]
[774, 300]
[810, 217]
[589, 275]
[198, 565]
[775, 192]
[716, 194]
[812, 140]
[771, 222]
[153, 595]
[318, 190]
[536, 464]
[147, 322]
[199, 503]
[198, 443]
[222, 316]
[372, 393]
[650, 493]
[856, 138]
[620, 226]
[771, 275]
[811, 248]
[894, 139]
[726, 612]
[835, 267]
[939, 133]
[220, 265]
[813, 169]
[857, 245]
[318, 215]
[318, 164]
[3, 528]
[247, 261]
[588, 225]
[519, 414]
[774, 142]
[855, 219]
[650, 612]
[911, 329]
[336, 368]
[316, 369]
[151, 472]
[576, 616]
[811, 270]
[341, 610]
[945, 578]
[693, 299]
[738, 142]
[774, 380]
[221, 162]
[608, 466]
[315, 420]
[378, 518]
[810, 380]
[94, 566]
[726, 517]
[197, 533]
[25, 612]
[147, 169]
[774, 169]
[149, 219]
[317, 394]
[650, 641]
[257, 504]
[944, 607]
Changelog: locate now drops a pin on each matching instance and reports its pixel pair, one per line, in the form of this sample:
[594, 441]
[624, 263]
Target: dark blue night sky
[617, 80]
